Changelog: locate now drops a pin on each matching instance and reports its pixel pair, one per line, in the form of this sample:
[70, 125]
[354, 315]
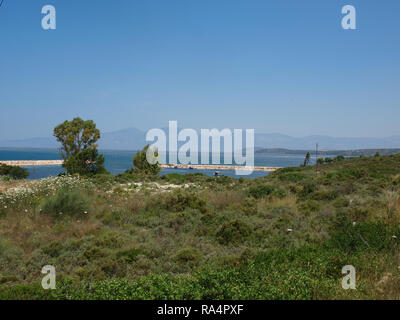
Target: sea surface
[118, 161]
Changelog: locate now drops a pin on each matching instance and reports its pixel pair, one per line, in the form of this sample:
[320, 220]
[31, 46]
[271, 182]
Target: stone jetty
[27, 163]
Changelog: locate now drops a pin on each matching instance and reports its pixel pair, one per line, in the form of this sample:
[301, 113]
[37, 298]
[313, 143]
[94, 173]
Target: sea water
[118, 161]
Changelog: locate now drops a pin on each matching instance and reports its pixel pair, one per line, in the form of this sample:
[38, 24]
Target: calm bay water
[118, 161]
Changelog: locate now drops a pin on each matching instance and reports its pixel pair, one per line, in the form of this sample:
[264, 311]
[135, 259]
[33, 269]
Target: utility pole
[316, 157]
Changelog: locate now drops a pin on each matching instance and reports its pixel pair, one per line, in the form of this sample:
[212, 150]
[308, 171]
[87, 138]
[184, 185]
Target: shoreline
[33, 163]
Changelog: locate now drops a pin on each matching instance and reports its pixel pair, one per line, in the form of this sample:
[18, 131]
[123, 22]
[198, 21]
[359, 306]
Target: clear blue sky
[275, 66]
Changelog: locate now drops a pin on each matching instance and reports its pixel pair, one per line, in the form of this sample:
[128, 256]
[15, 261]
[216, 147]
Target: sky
[282, 66]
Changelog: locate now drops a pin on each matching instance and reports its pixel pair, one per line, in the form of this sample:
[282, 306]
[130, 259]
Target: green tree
[75, 136]
[143, 166]
[307, 159]
[78, 148]
[86, 162]
[338, 158]
[13, 171]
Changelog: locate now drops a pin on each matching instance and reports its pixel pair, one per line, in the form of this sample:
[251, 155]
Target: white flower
[289, 230]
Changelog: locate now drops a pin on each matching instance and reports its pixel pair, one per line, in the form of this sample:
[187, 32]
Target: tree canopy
[75, 136]
[78, 148]
[13, 171]
[307, 159]
[142, 165]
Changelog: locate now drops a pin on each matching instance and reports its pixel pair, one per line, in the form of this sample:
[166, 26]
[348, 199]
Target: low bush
[309, 206]
[325, 195]
[292, 177]
[307, 189]
[364, 236]
[130, 255]
[234, 232]
[263, 191]
[179, 200]
[13, 172]
[66, 203]
[188, 256]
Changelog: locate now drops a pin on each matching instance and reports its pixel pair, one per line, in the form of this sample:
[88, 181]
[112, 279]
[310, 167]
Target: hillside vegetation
[283, 236]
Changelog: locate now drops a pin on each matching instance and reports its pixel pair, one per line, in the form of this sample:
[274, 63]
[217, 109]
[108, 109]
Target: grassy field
[283, 236]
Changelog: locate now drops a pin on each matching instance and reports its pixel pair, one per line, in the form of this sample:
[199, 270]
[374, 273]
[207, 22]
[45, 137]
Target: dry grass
[28, 229]
[222, 200]
[391, 199]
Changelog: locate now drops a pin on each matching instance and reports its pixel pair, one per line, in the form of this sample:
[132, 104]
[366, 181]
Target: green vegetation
[13, 172]
[78, 148]
[307, 159]
[142, 166]
[283, 236]
[66, 202]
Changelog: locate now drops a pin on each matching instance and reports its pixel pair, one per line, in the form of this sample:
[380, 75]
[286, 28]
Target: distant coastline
[346, 153]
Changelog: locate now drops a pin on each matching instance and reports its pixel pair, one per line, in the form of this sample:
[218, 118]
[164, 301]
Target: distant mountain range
[134, 139]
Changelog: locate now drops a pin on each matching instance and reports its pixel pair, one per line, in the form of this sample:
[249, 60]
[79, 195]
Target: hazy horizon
[50, 135]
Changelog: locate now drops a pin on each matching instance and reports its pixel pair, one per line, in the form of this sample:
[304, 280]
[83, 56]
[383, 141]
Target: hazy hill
[132, 139]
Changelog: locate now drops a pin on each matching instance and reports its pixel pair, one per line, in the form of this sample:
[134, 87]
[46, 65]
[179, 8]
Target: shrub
[4, 169]
[234, 232]
[175, 178]
[53, 249]
[13, 171]
[341, 202]
[308, 188]
[338, 158]
[352, 173]
[66, 202]
[287, 169]
[364, 235]
[179, 200]
[325, 195]
[309, 206]
[292, 177]
[142, 166]
[259, 192]
[130, 255]
[189, 256]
